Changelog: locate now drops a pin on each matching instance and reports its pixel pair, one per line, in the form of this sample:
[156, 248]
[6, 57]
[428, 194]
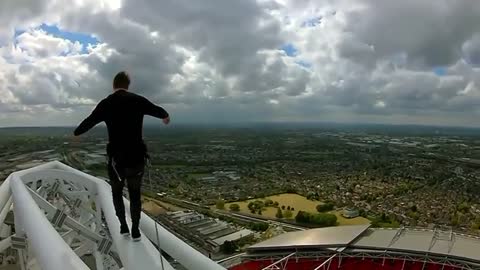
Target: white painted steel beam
[325, 262]
[40, 232]
[5, 192]
[176, 248]
[134, 255]
[5, 243]
[5, 210]
[74, 185]
[141, 255]
[279, 261]
[69, 222]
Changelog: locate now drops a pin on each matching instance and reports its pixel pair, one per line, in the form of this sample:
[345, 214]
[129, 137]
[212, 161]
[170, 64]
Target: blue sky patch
[53, 30]
[312, 22]
[290, 50]
[304, 64]
[18, 32]
[440, 71]
[83, 38]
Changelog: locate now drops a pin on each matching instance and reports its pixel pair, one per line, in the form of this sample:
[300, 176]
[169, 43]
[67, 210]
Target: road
[255, 219]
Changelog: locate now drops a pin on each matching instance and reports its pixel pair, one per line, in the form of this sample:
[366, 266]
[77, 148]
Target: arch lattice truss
[62, 216]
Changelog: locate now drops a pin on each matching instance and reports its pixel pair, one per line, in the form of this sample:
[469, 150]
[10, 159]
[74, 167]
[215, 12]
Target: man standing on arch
[123, 113]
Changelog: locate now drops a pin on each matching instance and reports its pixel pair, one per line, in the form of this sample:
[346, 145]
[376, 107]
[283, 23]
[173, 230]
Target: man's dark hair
[121, 80]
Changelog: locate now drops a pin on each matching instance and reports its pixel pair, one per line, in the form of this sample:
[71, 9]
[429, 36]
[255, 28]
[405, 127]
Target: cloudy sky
[389, 61]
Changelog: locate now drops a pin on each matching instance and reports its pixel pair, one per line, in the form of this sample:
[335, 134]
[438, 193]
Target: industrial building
[212, 231]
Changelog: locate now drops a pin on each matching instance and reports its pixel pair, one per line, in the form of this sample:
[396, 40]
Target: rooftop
[233, 236]
[353, 238]
[323, 237]
[422, 240]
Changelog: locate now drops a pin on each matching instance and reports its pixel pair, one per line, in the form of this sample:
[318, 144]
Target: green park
[287, 206]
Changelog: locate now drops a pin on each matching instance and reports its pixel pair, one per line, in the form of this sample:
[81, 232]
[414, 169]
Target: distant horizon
[291, 123]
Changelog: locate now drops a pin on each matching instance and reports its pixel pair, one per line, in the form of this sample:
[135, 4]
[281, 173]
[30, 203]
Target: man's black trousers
[132, 176]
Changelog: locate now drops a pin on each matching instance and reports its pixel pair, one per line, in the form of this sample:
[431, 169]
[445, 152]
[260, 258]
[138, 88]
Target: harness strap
[114, 166]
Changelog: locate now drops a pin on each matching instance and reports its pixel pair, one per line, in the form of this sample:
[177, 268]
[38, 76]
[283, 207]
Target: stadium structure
[65, 219]
[359, 247]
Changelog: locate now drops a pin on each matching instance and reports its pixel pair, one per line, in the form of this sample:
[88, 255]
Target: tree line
[321, 219]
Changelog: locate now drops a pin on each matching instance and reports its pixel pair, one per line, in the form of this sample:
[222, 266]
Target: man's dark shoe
[124, 230]
[136, 235]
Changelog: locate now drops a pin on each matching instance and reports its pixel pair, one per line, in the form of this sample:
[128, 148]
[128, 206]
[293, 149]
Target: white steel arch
[62, 214]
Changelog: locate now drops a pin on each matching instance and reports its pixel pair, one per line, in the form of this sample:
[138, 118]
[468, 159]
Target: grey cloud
[227, 34]
[471, 49]
[20, 10]
[15, 13]
[220, 60]
[355, 50]
[151, 64]
[432, 32]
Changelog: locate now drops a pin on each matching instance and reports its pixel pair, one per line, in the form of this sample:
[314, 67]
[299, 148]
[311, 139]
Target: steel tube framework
[176, 248]
[53, 207]
[40, 232]
[282, 262]
[325, 262]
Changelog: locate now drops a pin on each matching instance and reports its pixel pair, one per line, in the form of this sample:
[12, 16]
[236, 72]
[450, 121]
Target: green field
[299, 203]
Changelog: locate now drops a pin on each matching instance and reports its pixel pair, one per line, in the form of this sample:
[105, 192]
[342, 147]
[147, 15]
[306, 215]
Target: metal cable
[156, 228]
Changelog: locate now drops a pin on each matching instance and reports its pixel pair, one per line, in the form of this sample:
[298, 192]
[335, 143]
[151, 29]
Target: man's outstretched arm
[92, 120]
[155, 111]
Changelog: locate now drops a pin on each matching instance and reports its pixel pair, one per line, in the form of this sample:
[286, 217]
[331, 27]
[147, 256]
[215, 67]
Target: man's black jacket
[123, 113]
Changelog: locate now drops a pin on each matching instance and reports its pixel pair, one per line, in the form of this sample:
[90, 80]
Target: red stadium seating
[347, 264]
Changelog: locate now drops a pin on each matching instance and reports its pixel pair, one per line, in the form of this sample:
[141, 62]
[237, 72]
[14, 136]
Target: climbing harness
[114, 166]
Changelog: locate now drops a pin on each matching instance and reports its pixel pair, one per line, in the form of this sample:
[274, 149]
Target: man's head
[121, 80]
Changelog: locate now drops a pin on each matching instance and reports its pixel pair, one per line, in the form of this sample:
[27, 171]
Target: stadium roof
[422, 240]
[324, 237]
[398, 240]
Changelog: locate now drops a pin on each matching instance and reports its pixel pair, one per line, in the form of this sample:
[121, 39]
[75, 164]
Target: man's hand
[166, 121]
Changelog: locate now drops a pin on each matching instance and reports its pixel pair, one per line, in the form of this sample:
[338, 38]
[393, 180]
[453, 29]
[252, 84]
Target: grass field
[164, 205]
[153, 208]
[299, 203]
